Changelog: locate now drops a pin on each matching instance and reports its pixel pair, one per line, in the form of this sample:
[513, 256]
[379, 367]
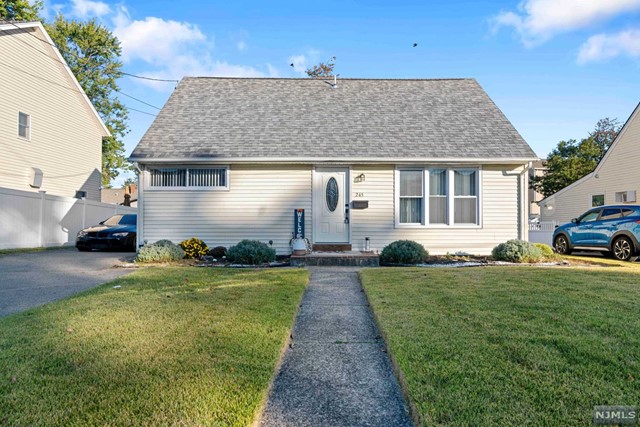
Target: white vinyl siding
[619, 172]
[65, 140]
[259, 205]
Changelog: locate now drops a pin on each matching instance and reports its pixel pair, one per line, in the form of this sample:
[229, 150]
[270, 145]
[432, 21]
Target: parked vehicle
[613, 230]
[117, 232]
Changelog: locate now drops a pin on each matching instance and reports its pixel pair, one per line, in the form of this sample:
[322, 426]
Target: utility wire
[64, 86]
[121, 72]
[63, 63]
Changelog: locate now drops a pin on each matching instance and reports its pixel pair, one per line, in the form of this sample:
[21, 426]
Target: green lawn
[172, 346]
[510, 345]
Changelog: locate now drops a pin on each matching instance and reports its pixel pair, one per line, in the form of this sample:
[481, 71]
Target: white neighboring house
[431, 160]
[616, 179]
[50, 133]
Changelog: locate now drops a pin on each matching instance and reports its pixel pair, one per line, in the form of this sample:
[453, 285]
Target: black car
[117, 232]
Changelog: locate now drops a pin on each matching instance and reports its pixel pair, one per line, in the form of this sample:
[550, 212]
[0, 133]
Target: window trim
[28, 137]
[149, 187]
[604, 200]
[450, 197]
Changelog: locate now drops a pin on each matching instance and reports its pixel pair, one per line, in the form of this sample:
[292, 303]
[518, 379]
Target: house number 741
[358, 194]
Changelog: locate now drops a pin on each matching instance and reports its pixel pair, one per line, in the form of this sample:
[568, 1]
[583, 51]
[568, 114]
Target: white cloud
[602, 47]
[241, 45]
[154, 40]
[89, 8]
[303, 61]
[539, 20]
[299, 63]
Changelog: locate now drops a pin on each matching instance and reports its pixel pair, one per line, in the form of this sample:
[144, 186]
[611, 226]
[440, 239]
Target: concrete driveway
[31, 279]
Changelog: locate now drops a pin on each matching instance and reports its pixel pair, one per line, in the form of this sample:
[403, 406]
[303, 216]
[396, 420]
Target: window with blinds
[438, 196]
[189, 178]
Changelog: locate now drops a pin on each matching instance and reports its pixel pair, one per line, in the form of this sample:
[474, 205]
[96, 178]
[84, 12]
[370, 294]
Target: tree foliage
[20, 10]
[93, 53]
[323, 69]
[572, 159]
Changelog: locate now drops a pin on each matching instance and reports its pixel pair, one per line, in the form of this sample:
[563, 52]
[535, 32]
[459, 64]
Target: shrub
[546, 251]
[517, 251]
[164, 242]
[218, 252]
[161, 251]
[194, 248]
[404, 252]
[251, 252]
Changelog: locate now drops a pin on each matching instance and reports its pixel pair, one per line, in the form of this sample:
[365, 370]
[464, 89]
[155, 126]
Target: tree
[323, 69]
[20, 10]
[571, 160]
[93, 53]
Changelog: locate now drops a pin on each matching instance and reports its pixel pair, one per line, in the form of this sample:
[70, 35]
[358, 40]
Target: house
[537, 169]
[434, 161]
[127, 196]
[616, 179]
[50, 133]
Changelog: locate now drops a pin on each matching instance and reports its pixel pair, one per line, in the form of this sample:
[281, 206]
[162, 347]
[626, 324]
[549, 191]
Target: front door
[331, 205]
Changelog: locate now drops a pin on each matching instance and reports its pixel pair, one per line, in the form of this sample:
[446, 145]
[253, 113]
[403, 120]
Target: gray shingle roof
[232, 118]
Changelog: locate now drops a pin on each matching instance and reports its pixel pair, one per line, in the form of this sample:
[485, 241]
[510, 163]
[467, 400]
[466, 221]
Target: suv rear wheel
[561, 245]
[623, 250]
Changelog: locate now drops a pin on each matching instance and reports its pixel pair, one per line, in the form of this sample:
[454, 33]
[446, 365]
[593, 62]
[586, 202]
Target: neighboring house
[433, 161]
[50, 133]
[119, 196]
[537, 169]
[615, 180]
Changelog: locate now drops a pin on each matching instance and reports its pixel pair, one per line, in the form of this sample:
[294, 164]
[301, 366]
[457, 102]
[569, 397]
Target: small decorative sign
[298, 223]
[615, 415]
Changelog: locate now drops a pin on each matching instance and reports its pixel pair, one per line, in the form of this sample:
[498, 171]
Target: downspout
[523, 210]
[140, 221]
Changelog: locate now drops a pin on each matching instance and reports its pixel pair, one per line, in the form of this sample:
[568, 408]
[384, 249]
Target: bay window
[452, 198]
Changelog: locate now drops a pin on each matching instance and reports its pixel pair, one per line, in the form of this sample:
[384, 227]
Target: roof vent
[335, 81]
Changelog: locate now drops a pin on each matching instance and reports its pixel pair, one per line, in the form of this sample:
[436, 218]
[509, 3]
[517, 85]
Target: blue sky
[554, 67]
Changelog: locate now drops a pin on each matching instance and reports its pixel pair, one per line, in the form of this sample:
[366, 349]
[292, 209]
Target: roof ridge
[330, 78]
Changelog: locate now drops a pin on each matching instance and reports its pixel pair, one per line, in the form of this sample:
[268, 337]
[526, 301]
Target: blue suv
[613, 230]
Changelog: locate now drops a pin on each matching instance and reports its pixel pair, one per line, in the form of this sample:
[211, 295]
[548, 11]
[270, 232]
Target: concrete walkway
[336, 372]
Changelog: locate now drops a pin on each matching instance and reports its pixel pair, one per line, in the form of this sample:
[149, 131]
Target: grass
[172, 346]
[511, 345]
[30, 250]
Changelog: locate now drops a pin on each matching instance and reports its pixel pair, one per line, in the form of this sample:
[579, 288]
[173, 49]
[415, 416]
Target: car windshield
[590, 216]
[121, 220]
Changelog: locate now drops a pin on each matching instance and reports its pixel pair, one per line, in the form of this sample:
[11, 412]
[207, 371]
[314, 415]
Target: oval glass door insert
[332, 194]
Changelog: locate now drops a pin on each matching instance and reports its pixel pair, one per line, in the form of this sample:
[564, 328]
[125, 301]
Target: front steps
[342, 259]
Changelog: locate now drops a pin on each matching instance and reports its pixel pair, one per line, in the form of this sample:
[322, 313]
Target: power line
[150, 78]
[140, 111]
[121, 72]
[64, 86]
[139, 100]
[65, 64]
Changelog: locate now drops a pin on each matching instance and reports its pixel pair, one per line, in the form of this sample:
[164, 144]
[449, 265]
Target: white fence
[29, 219]
[542, 232]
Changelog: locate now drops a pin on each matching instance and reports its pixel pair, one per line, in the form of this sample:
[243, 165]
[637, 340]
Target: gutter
[339, 160]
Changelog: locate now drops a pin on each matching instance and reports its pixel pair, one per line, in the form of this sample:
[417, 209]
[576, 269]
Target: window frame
[591, 196]
[187, 187]
[450, 214]
[28, 137]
